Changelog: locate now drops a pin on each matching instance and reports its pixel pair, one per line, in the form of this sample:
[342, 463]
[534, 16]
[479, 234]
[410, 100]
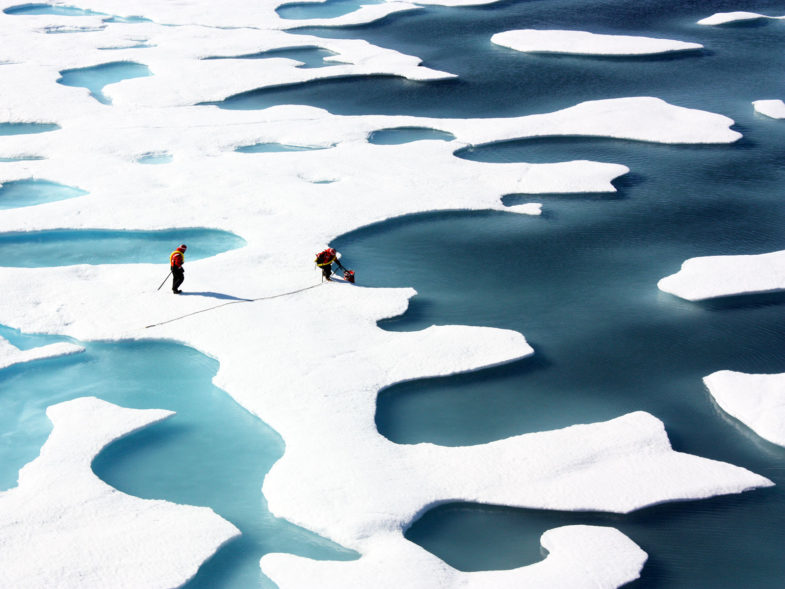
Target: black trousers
[178, 275]
[327, 271]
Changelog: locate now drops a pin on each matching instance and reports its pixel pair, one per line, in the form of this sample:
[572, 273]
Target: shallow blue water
[64, 247]
[400, 135]
[212, 452]
[25, 193]
[328, 9]
[49, 9]
[26, 128]
[274, 148]
[155, 158]
[96, 77]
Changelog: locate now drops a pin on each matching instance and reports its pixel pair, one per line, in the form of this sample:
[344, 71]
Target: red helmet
[331, 251]
[183, 247]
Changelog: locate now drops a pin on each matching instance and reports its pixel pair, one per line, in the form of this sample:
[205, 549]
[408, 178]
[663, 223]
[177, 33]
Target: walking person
[176, 261]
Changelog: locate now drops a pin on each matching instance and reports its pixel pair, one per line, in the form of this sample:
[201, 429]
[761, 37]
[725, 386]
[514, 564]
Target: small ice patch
[770, 108]
[309, 56]
[722, 276]
[10, 354]
[724, 18]
[585, 43]
[756, 400]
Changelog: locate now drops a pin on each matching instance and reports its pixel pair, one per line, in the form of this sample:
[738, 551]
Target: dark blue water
[64, 247]
[212, 452]
[96, 77]
[49, 9]
[25, 193]
[580, 281]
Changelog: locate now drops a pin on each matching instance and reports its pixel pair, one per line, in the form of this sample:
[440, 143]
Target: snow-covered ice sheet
[338, 477]
[724, 18]
[756, 400]
[771, 108]
[720, 276]
[63, 527]
[586, 43]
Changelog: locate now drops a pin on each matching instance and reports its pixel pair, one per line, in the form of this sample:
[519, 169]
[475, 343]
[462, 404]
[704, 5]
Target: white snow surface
[586, 43]
[64, 527]
[756, 400]
[10, 354]
[724, 18]
[719, 276]
[771, 108]
[279, 357]
[579, 557]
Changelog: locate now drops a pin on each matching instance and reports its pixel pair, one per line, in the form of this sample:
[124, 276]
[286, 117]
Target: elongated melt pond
[25, 193]
[64, 247]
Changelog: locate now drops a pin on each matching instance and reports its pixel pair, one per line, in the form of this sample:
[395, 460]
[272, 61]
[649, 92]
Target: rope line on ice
[234, 302]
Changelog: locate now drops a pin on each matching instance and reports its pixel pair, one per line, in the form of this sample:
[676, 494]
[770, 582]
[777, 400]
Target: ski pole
[165, 279]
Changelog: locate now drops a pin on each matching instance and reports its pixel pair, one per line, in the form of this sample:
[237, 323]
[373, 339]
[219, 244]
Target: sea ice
[756, 400]
[723, 18]
[64, 527]
[771, 108]
[10, 354]
[719, 276]
[585, 43]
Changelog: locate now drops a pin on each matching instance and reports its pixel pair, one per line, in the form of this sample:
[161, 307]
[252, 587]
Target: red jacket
[176, 258]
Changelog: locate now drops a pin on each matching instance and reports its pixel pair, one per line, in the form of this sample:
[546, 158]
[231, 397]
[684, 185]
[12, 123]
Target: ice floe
[724, 18]
[10, 354]
[63, 527]
[586, 43]
[720, 276]
[756, 400]
[577, 557]
[771, 108]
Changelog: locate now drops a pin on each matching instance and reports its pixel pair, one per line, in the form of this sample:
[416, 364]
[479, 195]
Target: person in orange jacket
[176, 261]
[325, 261]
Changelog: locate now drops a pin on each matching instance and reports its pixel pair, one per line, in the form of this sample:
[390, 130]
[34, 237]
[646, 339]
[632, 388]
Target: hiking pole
[165, 279]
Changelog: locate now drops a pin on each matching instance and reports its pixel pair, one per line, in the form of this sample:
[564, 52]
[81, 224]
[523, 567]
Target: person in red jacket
[176, 261]
[325, 261]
